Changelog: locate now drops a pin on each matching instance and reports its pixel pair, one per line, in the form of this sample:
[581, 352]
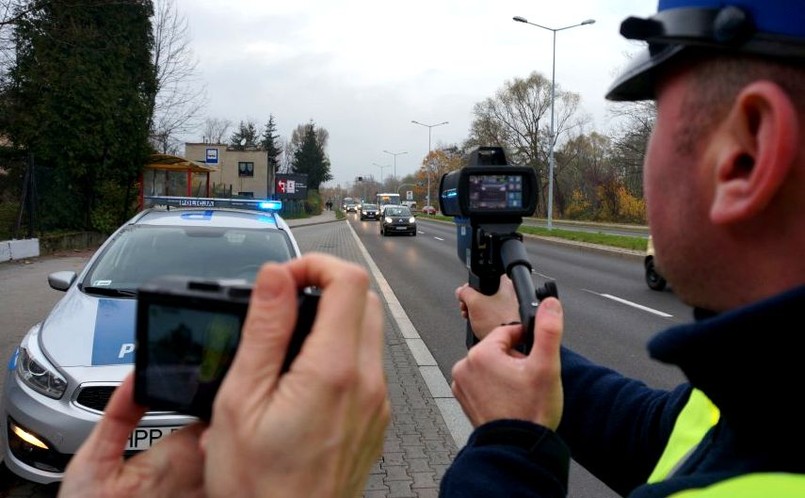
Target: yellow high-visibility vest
[697, 417]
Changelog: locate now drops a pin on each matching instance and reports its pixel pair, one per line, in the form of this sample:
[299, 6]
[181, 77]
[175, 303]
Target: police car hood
[86, 330]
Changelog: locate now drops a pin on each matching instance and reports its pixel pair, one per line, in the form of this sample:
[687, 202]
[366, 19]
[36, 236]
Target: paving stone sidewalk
[418, 446]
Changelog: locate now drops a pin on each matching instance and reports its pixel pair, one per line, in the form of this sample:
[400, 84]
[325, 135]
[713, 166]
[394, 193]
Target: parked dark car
[370, 211]
[397, 219]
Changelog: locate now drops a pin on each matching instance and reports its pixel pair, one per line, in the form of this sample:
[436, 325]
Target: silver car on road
[60, 377]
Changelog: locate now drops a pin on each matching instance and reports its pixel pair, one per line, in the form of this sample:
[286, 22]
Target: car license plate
[143, 438]
[402, 228]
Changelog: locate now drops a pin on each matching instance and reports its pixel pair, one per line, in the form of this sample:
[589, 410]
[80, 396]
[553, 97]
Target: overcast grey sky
[363, 69]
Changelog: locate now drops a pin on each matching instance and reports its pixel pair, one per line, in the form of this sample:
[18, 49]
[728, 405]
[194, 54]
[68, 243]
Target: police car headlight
[38, 377]
[388, 220]
[411, 220]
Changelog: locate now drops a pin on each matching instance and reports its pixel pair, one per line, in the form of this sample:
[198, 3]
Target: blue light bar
[270, 205]
[208, 202]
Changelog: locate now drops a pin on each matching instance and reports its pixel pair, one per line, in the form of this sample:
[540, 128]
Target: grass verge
[620, 241]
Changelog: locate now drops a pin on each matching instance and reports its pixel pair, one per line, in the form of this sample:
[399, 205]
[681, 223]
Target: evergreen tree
[79, 98]
[269, 143]
[310, 159]
[245, 137]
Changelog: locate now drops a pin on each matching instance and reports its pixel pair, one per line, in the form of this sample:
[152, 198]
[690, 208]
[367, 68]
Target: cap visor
[636, 82]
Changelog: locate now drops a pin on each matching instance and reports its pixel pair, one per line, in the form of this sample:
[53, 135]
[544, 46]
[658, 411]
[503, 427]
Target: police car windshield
[142, 252]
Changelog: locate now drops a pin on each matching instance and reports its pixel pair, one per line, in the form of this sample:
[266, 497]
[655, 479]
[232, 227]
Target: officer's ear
[757, 147]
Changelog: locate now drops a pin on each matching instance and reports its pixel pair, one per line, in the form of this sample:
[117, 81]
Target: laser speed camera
[489, 188]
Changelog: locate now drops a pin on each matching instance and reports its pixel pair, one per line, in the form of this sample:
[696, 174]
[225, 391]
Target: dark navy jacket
[750, 362]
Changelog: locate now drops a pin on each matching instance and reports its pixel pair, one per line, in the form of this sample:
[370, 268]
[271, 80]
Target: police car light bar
[208, 202]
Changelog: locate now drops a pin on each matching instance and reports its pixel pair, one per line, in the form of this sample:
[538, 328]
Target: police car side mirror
[61, 280]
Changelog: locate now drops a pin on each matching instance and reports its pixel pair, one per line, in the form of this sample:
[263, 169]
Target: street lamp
[395, 154]
[381, 166]
[553, 99]
[430, 127]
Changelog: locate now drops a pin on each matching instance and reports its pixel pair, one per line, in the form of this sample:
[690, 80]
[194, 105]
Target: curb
[307, 221]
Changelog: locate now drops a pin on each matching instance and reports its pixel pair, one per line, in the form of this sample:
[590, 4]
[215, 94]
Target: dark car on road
[370, 211]
[397, 219]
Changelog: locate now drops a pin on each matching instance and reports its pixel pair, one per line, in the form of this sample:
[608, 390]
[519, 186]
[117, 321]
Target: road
[26, 297]
[610, 312]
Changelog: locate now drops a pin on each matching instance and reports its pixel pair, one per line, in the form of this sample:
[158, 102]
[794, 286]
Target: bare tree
[11, 12]
[286, 163]
[518, 119]
[295, 142]
[438, 162]
[587, 174]
[8, 10]
[298, 135]
[215, 129]
[180, 97]
[631, 139]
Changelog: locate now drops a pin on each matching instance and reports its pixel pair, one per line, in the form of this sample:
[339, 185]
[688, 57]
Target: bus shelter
[166, 175]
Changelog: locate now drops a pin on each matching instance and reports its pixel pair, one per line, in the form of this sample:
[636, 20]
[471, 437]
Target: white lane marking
[632, 304]
[457, 422]
[543, 275]
[439, 238]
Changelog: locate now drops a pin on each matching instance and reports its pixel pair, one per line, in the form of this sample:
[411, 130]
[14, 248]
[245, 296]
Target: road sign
[211, 156]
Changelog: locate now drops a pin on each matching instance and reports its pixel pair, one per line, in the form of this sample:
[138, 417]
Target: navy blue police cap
[768, 28]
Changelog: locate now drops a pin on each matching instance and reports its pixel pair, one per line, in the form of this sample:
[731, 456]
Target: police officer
[725, 190]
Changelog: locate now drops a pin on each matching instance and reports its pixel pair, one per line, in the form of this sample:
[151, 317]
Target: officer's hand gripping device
[488, 199]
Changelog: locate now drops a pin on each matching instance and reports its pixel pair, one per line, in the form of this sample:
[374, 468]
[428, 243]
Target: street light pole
[395, 154]
[381, 166]
[553, 100]
[430, 127]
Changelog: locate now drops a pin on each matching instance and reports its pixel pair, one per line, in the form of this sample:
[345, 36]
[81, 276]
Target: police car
[63, 372]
